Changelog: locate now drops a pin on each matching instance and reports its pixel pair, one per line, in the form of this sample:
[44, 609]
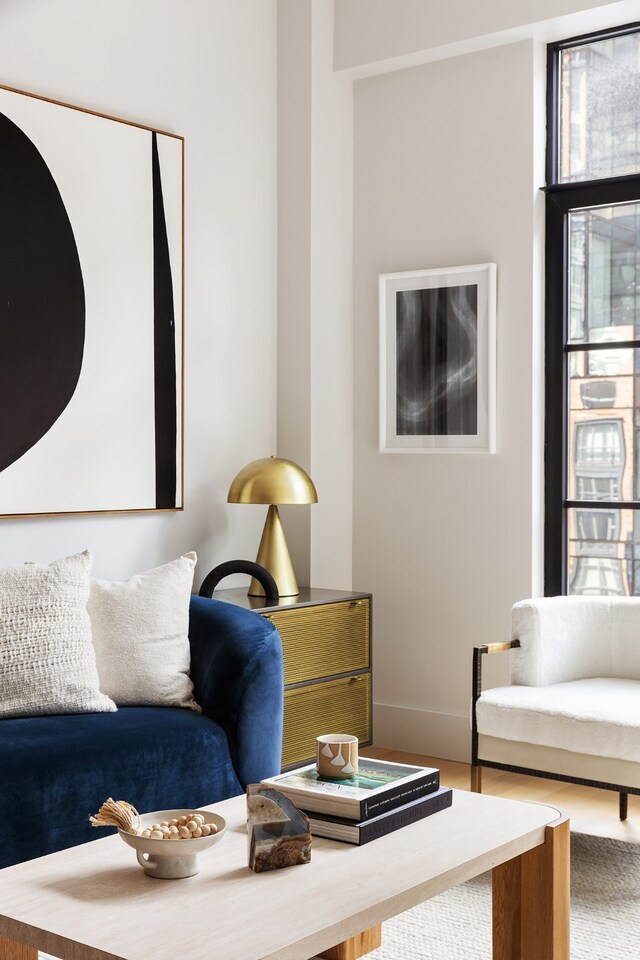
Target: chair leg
[624, 798]
[476, 779]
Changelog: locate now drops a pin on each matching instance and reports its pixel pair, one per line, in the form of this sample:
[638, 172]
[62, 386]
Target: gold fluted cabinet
[326, 640]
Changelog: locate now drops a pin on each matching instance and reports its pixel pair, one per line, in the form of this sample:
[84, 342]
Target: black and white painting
[90, 311]
[437, 360]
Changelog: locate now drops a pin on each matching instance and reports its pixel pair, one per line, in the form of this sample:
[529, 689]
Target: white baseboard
[421, 731]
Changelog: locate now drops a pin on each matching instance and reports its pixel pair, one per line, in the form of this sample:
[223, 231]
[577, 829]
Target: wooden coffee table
[93, 902]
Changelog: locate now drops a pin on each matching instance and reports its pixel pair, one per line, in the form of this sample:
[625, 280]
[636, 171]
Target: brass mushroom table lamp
[272, 481]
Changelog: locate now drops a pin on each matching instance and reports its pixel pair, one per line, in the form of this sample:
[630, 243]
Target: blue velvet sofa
[56, 771]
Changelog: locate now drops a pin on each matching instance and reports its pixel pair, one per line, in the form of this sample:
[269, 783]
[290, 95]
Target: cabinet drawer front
[337, 706]
[323, 640]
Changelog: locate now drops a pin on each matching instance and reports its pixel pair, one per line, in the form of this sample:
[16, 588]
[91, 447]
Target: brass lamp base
[273, 554]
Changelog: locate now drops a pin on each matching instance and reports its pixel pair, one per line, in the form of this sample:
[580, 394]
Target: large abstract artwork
[437, 360]
[91, 332]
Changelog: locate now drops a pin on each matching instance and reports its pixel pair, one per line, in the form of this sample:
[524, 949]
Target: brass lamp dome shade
[273, 480]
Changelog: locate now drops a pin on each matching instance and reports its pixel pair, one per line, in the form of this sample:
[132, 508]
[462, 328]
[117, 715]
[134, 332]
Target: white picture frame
[437, 335]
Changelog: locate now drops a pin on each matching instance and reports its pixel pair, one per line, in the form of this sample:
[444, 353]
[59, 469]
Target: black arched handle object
[264, 578]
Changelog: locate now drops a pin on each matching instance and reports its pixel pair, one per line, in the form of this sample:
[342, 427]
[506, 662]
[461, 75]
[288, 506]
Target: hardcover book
[377, 787]
[351, 831]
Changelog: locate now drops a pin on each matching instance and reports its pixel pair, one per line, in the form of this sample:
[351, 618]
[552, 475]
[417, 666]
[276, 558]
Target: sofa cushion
[47, 661]
[57, 771]
[140, 634]
[596, 716]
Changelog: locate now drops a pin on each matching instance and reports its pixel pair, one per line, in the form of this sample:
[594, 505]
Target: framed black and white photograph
[91, 311]
[438, 360]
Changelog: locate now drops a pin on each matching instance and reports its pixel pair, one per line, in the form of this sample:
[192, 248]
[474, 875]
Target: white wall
[315, 351]
[331, 310]
[294, 262]
[370, 32]
[205, 69]
[445, 174]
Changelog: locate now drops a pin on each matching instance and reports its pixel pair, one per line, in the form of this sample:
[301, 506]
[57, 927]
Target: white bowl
[172, 859]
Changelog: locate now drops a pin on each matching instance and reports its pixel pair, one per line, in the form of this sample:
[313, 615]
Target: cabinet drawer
[323, 640]
[336, 706]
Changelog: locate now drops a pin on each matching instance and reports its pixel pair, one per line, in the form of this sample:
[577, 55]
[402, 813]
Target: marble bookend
[278, 833]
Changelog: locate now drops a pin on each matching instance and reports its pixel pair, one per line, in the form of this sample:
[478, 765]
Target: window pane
[604, 417]
[604, 274]
[600, 109]
[604, 552]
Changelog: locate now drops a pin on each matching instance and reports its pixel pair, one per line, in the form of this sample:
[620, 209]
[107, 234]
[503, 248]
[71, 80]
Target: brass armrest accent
[498, 647]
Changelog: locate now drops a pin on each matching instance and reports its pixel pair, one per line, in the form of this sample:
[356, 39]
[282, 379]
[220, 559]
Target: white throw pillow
[47, 662]
[141, 636]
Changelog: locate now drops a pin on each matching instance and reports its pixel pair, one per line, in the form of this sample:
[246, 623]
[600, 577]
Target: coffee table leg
[10, 950]
[356, 946]
[531, 901]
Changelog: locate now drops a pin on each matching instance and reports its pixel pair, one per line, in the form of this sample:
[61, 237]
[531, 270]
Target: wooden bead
[187, 827]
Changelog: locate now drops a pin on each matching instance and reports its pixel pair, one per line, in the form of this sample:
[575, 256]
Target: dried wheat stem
[117, 813]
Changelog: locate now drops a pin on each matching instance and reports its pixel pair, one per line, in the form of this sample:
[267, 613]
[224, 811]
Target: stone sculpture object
[278, 833]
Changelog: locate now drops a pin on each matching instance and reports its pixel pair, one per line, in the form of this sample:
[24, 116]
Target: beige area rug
[605, 912]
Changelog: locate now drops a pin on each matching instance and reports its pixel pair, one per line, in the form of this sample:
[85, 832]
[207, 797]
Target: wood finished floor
[591, 811]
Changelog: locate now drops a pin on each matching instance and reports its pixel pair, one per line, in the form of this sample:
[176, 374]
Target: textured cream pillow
[141, 636]
[47, 662]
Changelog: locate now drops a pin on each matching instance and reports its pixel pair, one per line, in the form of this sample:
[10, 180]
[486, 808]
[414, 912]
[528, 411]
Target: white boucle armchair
[572, 710]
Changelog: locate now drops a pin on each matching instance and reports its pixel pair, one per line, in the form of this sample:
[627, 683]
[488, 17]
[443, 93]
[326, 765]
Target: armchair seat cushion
[598, 716]
[56, 771]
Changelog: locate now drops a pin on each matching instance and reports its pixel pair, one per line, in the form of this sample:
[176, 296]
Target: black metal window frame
[562, 198]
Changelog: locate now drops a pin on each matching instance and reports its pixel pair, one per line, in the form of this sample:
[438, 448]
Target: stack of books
[381, 798]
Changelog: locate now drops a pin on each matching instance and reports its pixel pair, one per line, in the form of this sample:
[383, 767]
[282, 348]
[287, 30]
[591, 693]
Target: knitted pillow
[47, 662]
[141, 636]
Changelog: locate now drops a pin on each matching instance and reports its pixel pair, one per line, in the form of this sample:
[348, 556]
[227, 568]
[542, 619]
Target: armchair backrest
[574, 638]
